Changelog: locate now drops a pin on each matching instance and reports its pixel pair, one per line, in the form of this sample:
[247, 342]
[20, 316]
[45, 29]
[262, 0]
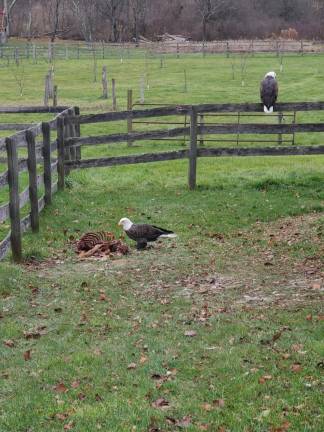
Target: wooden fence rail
[196, 130]
[69, 143]
[37, 154]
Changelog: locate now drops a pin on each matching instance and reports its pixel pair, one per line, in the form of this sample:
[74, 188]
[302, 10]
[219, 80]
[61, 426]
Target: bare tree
[138, 10]
[56, 12]
[113, 10]
[86, 13]
[8, 6]
[209, 10]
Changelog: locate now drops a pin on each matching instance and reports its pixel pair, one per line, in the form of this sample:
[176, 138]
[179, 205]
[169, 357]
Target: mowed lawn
[220, 329]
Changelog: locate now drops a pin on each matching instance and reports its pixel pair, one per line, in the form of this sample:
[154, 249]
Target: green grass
[247, 265]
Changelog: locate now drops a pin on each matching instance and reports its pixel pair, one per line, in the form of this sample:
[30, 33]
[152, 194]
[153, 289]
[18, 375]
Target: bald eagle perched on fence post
[269, 91]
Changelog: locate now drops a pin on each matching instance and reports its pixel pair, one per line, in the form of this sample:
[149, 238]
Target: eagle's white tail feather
[168, 236]
[268, 111]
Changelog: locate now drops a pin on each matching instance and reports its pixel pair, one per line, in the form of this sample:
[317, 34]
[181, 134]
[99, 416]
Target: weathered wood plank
[47, 162]
[123, 137]
[32, 173]
[4, 179]
[13, 180]
[264, 151]
[25, 223]
[5, 246]
[77, 132]
[60, 153]
[124, 160]
[32, 109]
[255, 128]
[23, 198]
[185, 109]
[203, 152]
[14, 126]
[193, 150]
[4, 212]
[223, 129]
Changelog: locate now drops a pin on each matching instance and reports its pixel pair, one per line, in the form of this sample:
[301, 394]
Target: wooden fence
[69, 143]
[38, 155]
[101, 50]
[192, 131]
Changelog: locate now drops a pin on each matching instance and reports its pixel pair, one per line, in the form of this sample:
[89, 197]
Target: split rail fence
[69, 144]
[39, 157]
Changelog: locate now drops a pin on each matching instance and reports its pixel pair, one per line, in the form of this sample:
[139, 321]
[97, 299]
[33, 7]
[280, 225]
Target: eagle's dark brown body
[269, 91]
[144, 233]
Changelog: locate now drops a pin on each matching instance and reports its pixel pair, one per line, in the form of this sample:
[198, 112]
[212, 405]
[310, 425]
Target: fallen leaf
[190, 333]
[297, 347]
[9, 343]
[296, 367]
[283, 428]
[161, 403]
[184, 422]
[102, 297]
[219, 403]
[81, 396]
[27, 355]
[69, 426]
[203, 427]
[309, 317]
[264, 378]
[206, 407]
[60, 388]
[132, 366]
[61, 416]
[75, 384]
[286, 356]
[36, 333]
[143, 359]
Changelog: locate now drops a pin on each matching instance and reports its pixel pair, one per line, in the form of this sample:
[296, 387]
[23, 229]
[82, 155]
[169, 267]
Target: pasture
[220, 329]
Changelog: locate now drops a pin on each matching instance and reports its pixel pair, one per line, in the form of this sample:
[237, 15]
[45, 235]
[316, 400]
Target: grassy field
[220, 329]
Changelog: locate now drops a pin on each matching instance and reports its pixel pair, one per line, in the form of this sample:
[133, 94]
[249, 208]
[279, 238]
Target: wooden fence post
[32, 172]
[13, 180]
[46, 130]
[60, 153]
[70, 134]
[77, 133]
[193, 149]
[280, 118]
[129, 119]
[202, 124]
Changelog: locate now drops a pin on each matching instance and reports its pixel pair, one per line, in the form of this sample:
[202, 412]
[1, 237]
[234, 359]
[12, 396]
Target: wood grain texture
[124, 160]
[13, 180]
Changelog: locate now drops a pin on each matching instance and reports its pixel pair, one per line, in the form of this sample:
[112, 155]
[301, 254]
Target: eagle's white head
[271, 74]
[125, 223]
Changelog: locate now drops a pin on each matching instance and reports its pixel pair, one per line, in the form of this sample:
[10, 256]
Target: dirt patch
[280, 264]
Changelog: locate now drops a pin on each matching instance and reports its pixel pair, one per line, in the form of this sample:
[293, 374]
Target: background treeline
[124, 20]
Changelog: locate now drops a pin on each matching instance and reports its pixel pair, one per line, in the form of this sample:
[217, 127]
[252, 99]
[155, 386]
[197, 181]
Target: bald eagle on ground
[269, 91]
[144, 233]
